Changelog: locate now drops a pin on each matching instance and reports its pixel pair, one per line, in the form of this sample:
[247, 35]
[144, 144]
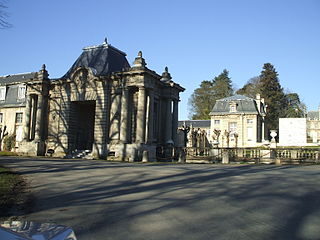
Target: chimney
[258, 101]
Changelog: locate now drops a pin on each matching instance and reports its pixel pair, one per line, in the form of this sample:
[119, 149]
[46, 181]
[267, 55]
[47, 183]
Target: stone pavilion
[101, 107]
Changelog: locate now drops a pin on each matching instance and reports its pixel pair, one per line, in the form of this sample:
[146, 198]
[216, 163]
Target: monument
[101, 107]
[292, 132]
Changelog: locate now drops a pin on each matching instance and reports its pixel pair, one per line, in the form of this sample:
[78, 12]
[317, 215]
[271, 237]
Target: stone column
[168, 121]
[114, 119]
[38, 130]
[27, 118]
[141, 115]
[33, 116]
[175, 122]
[262, 130]
[124, 116]
[150, 117]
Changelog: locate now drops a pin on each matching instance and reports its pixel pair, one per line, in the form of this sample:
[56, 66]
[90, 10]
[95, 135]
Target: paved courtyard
[104, 200]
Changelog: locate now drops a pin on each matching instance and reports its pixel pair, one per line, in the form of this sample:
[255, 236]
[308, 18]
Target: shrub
[9, 142]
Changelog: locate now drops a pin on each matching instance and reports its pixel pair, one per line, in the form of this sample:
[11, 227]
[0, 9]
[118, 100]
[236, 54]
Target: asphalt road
[103, 200]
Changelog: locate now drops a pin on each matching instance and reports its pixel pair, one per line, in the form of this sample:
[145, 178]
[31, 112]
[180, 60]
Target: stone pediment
[82, 77]
[84, 84]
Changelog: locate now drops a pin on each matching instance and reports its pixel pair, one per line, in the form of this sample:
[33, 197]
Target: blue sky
[195, 39]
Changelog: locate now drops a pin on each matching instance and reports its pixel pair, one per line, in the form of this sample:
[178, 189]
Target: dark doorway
[82, 124]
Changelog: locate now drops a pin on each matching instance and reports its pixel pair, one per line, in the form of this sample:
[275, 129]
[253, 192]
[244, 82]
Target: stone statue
[185, 129]
[236, 136]
[227, 135]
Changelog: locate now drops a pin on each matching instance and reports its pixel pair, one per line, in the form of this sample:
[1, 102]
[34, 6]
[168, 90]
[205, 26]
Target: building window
[3, 93]
[249, 121]
[232, 128]
[216, 122]
[1, 117]
[249, 133]
[18, 117]
[21, 92]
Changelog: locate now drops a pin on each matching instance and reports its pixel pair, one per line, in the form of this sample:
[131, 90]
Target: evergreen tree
[203, 98]
[274, 96]
[251, 88]
[222, 85]
[295, 108]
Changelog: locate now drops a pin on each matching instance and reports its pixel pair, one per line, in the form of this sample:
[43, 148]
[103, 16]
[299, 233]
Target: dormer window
[233, 107]
[21, 92]
[3, 93]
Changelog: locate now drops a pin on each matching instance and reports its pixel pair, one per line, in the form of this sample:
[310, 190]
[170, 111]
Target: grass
[6, 153]
[12, 188]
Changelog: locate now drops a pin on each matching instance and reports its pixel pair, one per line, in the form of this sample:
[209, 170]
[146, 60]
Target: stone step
[80, 154]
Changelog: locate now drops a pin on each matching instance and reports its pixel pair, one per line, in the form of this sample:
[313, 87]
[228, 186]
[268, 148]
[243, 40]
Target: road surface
[106, 200]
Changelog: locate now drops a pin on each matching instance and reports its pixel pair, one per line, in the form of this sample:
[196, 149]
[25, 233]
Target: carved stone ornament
[81, 79]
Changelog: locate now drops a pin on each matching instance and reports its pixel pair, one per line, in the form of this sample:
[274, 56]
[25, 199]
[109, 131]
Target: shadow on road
[264, 202]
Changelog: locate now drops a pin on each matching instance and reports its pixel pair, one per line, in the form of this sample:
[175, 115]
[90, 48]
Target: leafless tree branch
[3, 16]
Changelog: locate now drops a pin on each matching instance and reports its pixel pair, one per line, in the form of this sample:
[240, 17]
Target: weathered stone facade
[101, 105]
[239, 121]
[313, 126]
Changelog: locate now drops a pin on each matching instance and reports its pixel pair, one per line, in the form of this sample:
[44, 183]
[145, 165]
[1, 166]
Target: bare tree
[3, 16]
[3, 134]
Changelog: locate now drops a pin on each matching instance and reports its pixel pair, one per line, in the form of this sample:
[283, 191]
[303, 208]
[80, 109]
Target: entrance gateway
[82, 116]
[102, 105]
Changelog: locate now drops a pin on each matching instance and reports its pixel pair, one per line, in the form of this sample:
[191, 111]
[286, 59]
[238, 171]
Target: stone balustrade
[251, 155]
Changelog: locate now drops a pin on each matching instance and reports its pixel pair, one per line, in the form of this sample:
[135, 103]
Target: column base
[32, 148]
[133, 152]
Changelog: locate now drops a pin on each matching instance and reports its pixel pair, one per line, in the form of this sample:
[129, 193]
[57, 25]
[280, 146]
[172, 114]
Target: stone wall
[9, 118]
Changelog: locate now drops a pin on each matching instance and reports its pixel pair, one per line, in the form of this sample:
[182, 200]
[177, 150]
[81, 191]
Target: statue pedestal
[225, 157]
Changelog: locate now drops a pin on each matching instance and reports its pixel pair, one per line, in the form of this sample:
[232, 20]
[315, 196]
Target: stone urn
[273, 134]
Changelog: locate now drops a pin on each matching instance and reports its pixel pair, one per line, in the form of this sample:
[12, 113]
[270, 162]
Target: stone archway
[82, 116]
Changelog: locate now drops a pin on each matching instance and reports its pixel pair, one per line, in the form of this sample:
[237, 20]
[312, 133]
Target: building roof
[236, 97]
[11, 99]
[244, 105]
[102, 59]
[12, 83]
[15, 78]
[313, 115]
[195, 123]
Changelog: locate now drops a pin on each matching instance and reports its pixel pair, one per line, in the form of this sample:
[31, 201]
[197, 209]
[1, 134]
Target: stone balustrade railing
[256, 155]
